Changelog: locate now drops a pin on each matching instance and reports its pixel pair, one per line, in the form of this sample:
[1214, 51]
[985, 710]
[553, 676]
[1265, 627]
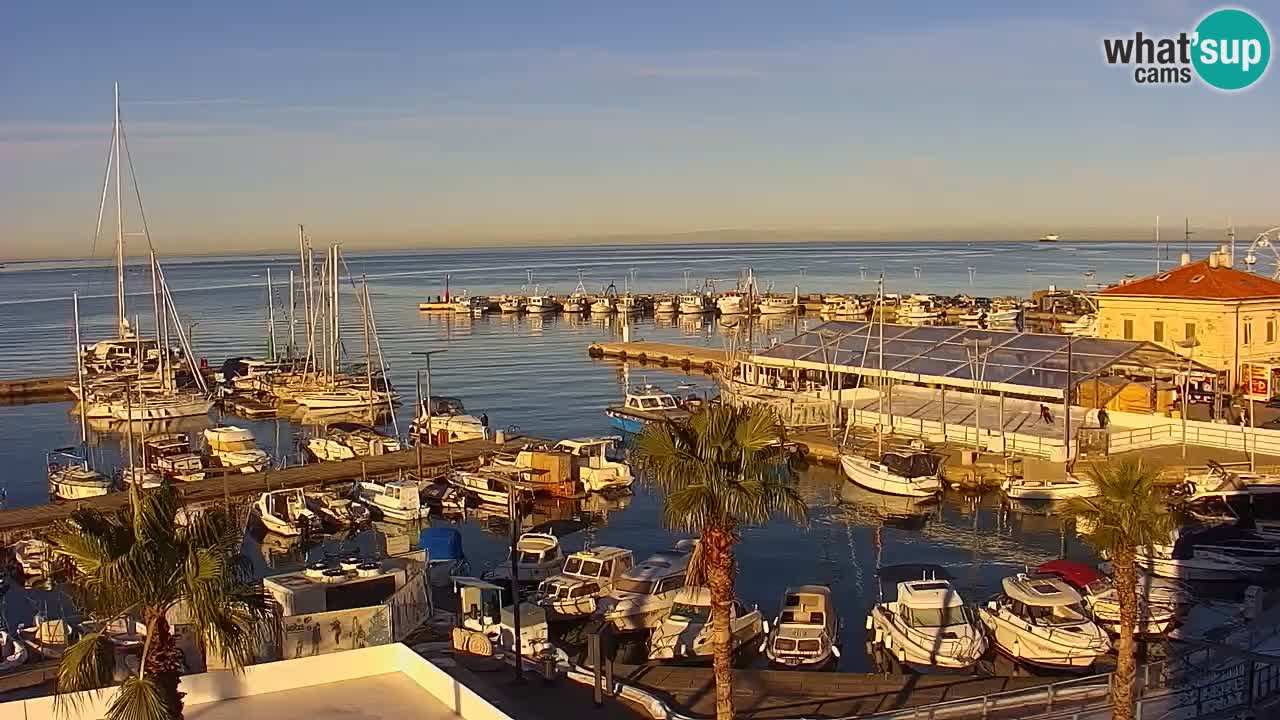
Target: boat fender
[1017, 649]
[879, 635]
[868, 622]
[888, 641]
[765, 625]
[902, 655]
[835, 650]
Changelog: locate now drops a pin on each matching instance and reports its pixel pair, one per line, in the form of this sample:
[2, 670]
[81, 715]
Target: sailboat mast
[880, 376]
[368, 360]
[84, 395]
[271, 318]
[122, 321]
[155, 298]
[293, 337]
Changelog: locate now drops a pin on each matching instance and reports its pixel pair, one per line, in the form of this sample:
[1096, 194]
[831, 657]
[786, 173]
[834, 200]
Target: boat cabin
[1043, 601]
[806, 629]
[649, 398]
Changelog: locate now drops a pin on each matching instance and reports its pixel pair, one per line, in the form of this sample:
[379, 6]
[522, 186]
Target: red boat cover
[1078, 574]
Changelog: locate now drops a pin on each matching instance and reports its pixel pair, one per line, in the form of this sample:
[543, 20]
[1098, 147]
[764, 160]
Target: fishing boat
[337, 511]
[170, 455]
[685, 634]
[973, 316]
[844, 307]
[604, 305]
[447, 421]
[1048, 489]
[916, 474]
[235, 448]
[287, 512]
[540, 303]
[511, 304]
[596, 463]
[578, 301]
[1040, 621]
[71, 478]
[642, 596]
[628, 304]
[445, 557]
[927, 623]
[397, 500]
[777, 305]
[696, 304]
[537, 557]
[666, 305]
[347, 440]
[919, 309]
[1102, 600]
[587, 575]
[642, 405]
[806, 633]
[731, 303]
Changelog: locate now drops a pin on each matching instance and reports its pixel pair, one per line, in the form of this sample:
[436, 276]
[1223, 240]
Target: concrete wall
[279, 676]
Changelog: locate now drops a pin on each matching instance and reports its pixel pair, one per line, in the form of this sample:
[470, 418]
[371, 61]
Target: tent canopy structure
[1015, 362]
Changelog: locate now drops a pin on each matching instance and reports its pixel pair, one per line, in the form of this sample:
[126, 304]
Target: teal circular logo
[1232, 49]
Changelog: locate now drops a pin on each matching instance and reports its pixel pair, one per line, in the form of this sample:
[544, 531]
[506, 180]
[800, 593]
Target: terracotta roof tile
[1198, 281]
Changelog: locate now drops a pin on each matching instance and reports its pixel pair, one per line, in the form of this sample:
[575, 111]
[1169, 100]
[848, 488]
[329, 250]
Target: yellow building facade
[1207, 310]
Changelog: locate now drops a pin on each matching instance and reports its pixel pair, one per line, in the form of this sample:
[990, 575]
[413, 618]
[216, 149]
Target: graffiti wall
[321, 633]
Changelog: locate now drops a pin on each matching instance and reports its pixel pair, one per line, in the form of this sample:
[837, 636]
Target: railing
[1077, 690]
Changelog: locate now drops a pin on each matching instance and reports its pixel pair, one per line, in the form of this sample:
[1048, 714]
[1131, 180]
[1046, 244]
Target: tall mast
[368, 360]
[122, 321]
[84, 395]
[271, 318]
[880, 408]
[293, 338]
[1157, 244]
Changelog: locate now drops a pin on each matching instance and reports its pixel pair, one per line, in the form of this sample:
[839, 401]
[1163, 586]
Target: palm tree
[1128, 513]
[722, 469]
[141, 562]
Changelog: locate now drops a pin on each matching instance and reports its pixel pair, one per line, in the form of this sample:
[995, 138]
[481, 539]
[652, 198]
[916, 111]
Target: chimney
[1213, 260]
[1186, 258]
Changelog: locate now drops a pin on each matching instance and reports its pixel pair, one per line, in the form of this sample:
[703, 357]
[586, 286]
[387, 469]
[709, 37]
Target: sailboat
[70, 477]
[914, 474]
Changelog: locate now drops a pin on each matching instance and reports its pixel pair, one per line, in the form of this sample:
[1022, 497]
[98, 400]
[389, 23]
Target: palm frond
[139, 698]
[87, 664]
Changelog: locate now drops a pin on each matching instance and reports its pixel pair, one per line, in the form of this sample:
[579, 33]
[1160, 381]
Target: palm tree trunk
[1126, 662]
[164, 663]
[719, 546]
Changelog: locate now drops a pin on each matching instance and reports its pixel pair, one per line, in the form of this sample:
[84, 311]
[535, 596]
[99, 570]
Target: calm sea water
[533, 373]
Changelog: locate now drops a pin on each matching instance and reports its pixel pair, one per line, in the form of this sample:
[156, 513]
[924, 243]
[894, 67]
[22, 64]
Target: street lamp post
[1188, 344]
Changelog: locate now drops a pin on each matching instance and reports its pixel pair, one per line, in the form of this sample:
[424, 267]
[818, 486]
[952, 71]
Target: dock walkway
[20, 520]
[685, 357]
[38, 389]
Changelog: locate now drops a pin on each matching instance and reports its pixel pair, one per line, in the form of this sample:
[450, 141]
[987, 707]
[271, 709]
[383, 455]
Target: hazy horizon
[409, 125]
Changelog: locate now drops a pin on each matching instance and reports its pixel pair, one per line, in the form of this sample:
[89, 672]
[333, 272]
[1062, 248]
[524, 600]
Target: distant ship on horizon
[1051, 237]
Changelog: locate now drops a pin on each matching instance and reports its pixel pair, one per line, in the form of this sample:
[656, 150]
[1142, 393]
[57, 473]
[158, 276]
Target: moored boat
[1049, 489]
[71, 478]
[1041, 621]
[915, 474]
[287, 512]
[806, 632]
[642, 596]
[927, 623]
[685, 634]
[587, 575]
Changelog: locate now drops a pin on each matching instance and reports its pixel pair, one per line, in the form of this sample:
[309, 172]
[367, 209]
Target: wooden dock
[15, 522]
[684, 357]
[39, 389]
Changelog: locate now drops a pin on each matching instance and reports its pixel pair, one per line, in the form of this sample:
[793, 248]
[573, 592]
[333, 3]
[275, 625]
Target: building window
[1128, 329]
[1248, 332]
[1271, 331]
[1190, 331]
[1157, 331]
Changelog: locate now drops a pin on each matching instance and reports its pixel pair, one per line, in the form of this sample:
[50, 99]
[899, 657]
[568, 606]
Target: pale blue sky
[416, 123]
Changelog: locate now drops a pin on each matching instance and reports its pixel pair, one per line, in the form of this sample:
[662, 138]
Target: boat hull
[908, 650]
[1034, 649]
[861, 472]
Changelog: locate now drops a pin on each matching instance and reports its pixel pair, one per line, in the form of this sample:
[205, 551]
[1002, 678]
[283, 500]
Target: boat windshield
[529, 557]
[579, 566]
[237, 445]
[935, 617]
[691, 614]
[642, 587]
[1099, 587]
[1057, 615]
[668, 402]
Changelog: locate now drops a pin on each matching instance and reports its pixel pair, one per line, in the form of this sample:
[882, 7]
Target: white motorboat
[911, 475]
[642, 405]
[696, 304]
[538, 303]
[919, 308]
[71, 478]
[337, 511]
[235, 448]
[642, 596]
[1049, 489]
[537, 558]
[777, 305]
[1231, 541]
[595, 470]
[396, 500]
[1041, 621]
[1102, 600]
[170, 455]
[1188, 563]
[164, 407]
[1005, 312]
[927, 625]
[587, 575]
[666, 305]
[686, 635]
[1084, 326]
[1219, 492]
[34, 557]
[973, 316]
[731, 303]
[511, 304]
[347, 440]
[13, 651]
[287, 512]
[806, 633]
[449, 418]
[485, 486]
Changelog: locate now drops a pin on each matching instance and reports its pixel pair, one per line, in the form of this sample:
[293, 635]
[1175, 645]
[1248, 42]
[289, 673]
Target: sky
[401, 124]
